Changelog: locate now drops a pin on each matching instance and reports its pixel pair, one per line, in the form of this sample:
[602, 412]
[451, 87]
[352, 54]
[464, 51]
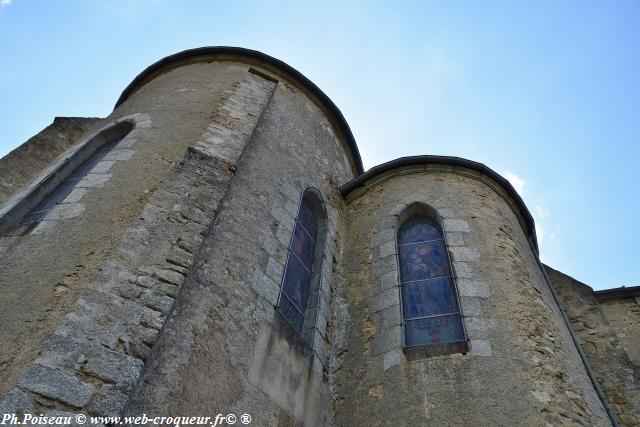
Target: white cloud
[541, 212]
[517, 182]
[540, 215]
[5, 2]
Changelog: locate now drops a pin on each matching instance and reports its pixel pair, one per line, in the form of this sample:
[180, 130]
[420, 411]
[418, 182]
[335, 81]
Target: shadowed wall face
[608, 332]
[518, 342]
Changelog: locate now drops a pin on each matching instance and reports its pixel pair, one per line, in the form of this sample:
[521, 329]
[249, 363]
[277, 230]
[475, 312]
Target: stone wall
[623, 314]
[94, 358]
[45, 273]
[522, 368]
[25, 163]
[225, 316]
[605, 342]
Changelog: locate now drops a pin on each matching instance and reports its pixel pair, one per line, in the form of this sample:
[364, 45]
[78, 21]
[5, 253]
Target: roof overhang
[252, 57]
[362, 180]
[615, 293]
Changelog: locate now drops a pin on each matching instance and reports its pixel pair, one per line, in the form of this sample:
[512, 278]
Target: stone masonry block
[108, 401]
[103, 166]
[75, 196]
[468, 288]
[463, 253]
[463, 270]
[113, 366]
[156, 301]
[56, 385]
[390, 317]
[387, 340]
[283, 217]
[265, 287]
[387, 280]
[480, 324]
[15, 402]
[60, 352]
[455, 239]
[384, 265]
[456, 225]
[385, 299]
[481, 348]
[291, 207]
[387, 249]
[470, 306]
[274, 270]
[446, 212]
[92, 180]
[283, 234]
[291, 192]
[390, 359]
[276, 250]
[384, 236]
[66, 211]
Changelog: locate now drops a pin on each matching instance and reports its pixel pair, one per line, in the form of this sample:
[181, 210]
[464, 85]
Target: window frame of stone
[314, 199]
[429, 349]
[12, 223]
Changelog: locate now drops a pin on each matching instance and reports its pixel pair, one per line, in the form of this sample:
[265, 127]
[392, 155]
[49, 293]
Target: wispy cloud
[540, 214]
[517, 182]
[5, 2]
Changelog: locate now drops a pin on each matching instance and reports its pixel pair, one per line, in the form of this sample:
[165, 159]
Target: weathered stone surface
[602, 329]
[113, 367]
[456, 225]
[15, 402]
[385, 299]
[56, 385]
[468, 288]
[108, 401]
[266, 287]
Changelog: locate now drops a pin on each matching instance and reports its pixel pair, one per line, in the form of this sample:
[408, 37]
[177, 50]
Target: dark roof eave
[361, 180]
[254, 55]
[621, 292]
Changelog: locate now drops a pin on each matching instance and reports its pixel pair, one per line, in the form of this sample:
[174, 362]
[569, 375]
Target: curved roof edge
[211, 52]
[361, 180]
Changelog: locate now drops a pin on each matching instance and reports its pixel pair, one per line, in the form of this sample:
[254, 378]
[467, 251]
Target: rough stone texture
[56, 385]
[519, 345]
[224, 306]
[45, 272]
[153, 288]
[602, 329]
[25, 163]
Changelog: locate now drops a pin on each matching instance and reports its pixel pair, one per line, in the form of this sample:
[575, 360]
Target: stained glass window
[296, 283]
[429, 302]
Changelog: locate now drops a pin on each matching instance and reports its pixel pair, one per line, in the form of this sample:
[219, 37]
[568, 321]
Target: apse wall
[225, 345]
[195, 207]
[522, 367]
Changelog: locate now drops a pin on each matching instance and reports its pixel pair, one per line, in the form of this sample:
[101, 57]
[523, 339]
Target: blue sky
[545, 93]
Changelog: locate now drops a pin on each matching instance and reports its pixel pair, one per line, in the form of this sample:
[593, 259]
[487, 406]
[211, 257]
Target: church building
[214, 247]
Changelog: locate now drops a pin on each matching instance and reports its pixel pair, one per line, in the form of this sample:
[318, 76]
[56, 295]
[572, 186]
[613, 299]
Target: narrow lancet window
[38, 213]
[296, 284]
[429, 301]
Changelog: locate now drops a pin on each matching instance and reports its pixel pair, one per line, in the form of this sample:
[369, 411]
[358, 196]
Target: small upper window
[50, 192]
[429, 300]
[52, 199]
[301, 271]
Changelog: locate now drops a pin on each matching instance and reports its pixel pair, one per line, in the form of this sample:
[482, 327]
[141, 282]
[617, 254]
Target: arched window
[431, 313]
[44, 197]
[302, 272]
